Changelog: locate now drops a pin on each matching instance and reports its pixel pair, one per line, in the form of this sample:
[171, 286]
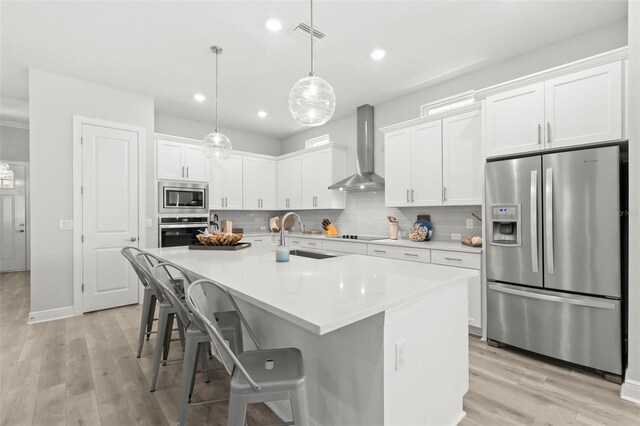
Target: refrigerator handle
[587, 302]
[533, 203]
[549, 219]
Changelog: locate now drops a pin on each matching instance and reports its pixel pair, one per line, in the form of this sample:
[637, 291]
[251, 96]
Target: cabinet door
[216, 185]
[295, 183]
[251, 168]
[426, 164]
[268, 185]
[308, 181]
[282, 176]
[233, 182]
[324, 168]
[195, 163]
[584, 107]
[515, 121]
[475, 302]
[462, 160]
[397, 173]
[169, 160]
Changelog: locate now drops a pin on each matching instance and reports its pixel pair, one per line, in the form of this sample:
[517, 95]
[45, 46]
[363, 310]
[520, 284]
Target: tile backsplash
[366, 214]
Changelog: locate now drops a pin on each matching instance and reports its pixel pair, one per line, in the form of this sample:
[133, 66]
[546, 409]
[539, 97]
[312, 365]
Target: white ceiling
[161, 48]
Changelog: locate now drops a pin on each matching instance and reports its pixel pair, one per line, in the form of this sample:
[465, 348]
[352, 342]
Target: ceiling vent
[303, 29]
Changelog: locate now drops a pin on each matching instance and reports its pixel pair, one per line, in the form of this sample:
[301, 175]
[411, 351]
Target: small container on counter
[282, 254]
[393, 230]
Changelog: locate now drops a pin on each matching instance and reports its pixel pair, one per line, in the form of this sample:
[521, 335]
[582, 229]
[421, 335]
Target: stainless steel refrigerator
[554, 256]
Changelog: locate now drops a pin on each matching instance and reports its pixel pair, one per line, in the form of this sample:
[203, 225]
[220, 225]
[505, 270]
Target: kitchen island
[384, 341]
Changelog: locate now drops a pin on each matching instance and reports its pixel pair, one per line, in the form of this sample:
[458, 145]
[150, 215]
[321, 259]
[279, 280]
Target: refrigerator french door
[554, 256]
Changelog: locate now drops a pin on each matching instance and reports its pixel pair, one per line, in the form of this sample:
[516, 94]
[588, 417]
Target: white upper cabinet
[434, 163]
[578, 108]
[397, 172]
[259, 184]
[225, 186]
[462, 159]
[181, 161]
[289, 183]
[320, 169]
[515, 121]
[584, 107]
[426, 164]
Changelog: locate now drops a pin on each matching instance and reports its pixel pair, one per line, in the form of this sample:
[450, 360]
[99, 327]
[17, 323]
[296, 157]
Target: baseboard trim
[50, 315]
[630, 391]
[283, 410]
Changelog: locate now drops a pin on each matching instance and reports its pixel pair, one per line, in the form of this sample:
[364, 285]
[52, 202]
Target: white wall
[241, 140]
[53, 100]
[14, 144]
[631, 387]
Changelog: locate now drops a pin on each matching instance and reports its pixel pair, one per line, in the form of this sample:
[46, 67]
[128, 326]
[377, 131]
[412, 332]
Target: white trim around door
[78, 122]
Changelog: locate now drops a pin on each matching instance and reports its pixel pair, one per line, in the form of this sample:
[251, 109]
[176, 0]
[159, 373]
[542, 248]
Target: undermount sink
[310, 254]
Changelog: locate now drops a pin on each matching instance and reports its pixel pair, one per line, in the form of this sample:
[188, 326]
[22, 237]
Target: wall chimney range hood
[365, 179]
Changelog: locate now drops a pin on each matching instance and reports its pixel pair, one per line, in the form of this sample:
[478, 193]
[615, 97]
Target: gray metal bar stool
[256, 376]
[197, 341]
[148, 301]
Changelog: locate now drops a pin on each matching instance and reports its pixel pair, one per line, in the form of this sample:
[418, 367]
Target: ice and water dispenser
[506, 226]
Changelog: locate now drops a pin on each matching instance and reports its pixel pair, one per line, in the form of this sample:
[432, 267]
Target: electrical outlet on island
[456, 237]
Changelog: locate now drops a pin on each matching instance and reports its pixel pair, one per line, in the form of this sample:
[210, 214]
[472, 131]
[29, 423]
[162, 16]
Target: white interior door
[109, 215]
[13, 231]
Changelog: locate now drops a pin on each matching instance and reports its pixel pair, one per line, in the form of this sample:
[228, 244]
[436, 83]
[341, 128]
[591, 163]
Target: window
[7, 180]
[320, 140]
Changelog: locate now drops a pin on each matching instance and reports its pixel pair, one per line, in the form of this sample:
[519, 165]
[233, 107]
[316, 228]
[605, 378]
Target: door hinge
[82, 238]
[81, 190]
[82, 288]
[81, 140]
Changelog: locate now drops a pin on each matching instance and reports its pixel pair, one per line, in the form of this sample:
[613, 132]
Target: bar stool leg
[167, 338]
[188, 371]
[203, 356]
[237, 411]
[162, 328]
[152, 312]
[144, 321]
[299, 407]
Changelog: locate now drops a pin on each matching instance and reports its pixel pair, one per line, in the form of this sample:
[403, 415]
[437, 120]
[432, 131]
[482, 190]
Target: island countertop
[318, 295]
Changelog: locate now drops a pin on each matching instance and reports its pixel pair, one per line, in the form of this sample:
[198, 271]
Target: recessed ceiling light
[273, 24]
[199, 98]
[378, 54]
[262, 114]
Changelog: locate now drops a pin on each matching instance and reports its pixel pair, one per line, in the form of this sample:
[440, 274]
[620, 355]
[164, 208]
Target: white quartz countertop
[434, 245]
[318, 295]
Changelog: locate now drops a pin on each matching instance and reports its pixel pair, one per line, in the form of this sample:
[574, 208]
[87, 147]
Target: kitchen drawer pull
[258, 241]
[379, 251]
[548, 132]
[407, 195]
[312, 244]
[539, 133]
[295, 241]
[410, 254]
[453, 258]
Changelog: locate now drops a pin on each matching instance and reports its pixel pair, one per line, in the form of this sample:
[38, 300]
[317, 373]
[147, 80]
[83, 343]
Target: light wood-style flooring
[83, 371]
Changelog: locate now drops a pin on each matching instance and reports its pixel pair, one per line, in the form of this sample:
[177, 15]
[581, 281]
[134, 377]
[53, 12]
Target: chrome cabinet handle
[187, 171]
[407, 195]
[379, 251]
[539, 133]
[444, 193]
[548, 132]
[182, 173]
[412, 196]
[453, 258]
[549, 223]
[410, 254]
[533, 214]
[312, 244]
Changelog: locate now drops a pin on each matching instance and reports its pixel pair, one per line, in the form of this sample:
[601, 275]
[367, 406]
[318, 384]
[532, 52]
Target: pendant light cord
[312, 73]
[217, 51]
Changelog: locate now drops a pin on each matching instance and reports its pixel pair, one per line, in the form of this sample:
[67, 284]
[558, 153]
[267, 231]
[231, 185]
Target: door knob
[132, 239]
[20, 230]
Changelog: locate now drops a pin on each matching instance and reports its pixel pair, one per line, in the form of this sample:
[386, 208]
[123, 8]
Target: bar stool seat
[286, 372]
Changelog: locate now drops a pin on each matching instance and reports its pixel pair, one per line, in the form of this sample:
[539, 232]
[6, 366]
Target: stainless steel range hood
[365, 179]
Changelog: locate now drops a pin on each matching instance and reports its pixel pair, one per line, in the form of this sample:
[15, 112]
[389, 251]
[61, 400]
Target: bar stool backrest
[199, 296]
[130, 254]
[173, 279]
[147, 262]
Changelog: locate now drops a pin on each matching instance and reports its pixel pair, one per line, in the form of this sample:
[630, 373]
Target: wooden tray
[239, 246]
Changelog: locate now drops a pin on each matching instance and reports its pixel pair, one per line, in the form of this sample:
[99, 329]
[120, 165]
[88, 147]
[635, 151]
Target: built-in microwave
[183, 197]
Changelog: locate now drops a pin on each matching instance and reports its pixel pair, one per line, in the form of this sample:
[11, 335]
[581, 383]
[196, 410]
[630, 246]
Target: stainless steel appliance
[183, 197]
[180, 231]
[554, 256]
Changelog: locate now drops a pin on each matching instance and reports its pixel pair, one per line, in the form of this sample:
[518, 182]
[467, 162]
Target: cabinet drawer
[344, 247]
[455, 258]
[311, 244]
[400, 253]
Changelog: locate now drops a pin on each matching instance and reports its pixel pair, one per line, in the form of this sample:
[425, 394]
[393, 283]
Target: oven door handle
[185, 225]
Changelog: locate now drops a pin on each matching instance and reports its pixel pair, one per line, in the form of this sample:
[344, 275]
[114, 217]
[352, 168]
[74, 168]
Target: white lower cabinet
[400, 253]
[346, 247]
[456, 258]
[262, 240]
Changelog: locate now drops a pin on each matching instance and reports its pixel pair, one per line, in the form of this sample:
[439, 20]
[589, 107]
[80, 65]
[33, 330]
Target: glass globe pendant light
[312, 100]
[216, 145]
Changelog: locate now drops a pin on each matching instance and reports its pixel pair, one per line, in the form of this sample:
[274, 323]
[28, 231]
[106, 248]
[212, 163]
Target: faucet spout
[283, 221]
